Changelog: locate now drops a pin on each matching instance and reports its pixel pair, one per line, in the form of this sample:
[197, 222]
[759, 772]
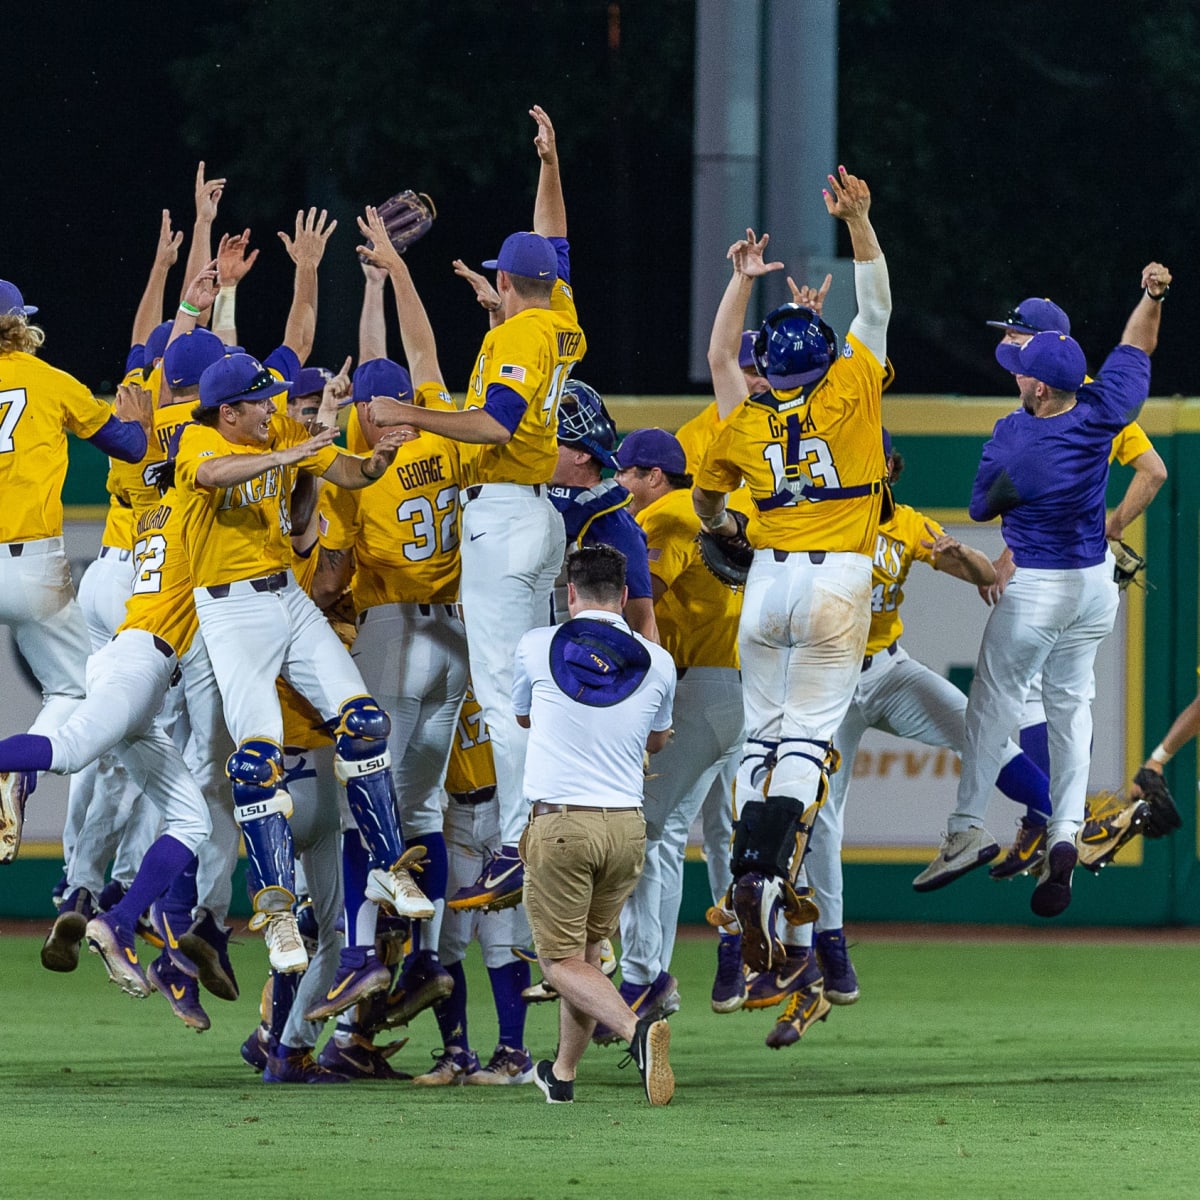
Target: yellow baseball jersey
[161, 602]
[897, 547]
[696, 435]
[789, 447]
[471, 766]
[243, 531]
[697, 616]
[1129, 444]
[532, 353]
[38, 405]
[403, 530]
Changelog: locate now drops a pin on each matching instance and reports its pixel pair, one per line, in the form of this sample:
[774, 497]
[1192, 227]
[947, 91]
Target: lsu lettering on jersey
[404, 530]
[471, 767]
[697, 616]
[161, 602]
[533, 353]
[897, 547]
[38, 405]
[243, 531]
[792, 447]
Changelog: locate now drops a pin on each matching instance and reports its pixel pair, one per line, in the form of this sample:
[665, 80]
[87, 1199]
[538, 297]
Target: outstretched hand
[1156, 279]
[307, 247]
[202, 290]
[848, 198]
[234, 258]
[747, 255]
[380, 253]
[543, 140]
[168, 243]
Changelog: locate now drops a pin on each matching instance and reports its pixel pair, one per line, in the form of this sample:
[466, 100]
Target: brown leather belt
[546, 810]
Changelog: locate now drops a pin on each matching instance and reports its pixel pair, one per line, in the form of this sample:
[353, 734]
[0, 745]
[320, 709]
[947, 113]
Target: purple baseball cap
[746, 351]
[1035, 316]
[652, 448]
[12, 303]
[310, 381]
[238, 377]
[527, 254]
[1053, 358]
[156, 343]
[190, 355]
[381, 377]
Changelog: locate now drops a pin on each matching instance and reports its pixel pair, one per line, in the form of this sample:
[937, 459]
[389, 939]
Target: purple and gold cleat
[180, 991]
[833, 957]
[360, 974]
[256, 1049]
[806, 1006]
[206, 944]
[295, 1064]
[655, 1001]
[451, 1066]
[508, 1065]
[115, 945]
[499, 885]
[770, 988]
[1025, 854]
[729, 987]
[359, 1058]
[15, 789]
[422, 982]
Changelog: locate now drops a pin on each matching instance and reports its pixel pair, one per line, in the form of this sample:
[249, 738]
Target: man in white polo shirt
[594, 696]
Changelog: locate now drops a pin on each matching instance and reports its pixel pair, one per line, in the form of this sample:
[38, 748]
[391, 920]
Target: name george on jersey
[423, 471]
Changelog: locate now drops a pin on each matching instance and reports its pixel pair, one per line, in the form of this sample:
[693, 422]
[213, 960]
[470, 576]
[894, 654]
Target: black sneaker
[556, 1091]
[649, 1052]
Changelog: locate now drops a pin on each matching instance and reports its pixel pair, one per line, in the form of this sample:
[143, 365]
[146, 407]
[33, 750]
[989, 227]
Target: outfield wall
[1146, 672]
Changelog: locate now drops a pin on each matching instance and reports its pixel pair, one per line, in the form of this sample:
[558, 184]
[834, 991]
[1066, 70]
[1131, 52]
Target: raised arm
[372, 324]
[150, 307]
[488, 297]
[955, 558]
[729, 386]
[305, 249]
[849, 199]
[197, 302]
[1141, 330]
[549, 208]
[228, 470]
[208, 197]
[234, 260]
[420, 346]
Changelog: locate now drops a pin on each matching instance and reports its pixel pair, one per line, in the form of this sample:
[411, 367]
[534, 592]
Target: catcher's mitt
[408, 217]
[728, 557]
[1163, 817]
[1129, 565]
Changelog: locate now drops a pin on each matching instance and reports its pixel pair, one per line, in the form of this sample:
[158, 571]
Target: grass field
[968, 1069]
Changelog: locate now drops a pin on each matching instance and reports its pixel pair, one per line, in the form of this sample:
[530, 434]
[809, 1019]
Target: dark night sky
[1051, 177]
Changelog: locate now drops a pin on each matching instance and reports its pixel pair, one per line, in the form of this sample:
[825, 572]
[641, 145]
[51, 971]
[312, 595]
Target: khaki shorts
[580, 868]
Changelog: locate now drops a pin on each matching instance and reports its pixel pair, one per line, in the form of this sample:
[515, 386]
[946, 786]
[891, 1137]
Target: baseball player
[597, 697]
[472, 836]
[38, 404]
[126, 682]
[810, 451]
[512, 537]
[596, 511]
[1044, 473]
[1132, 448]
[232, 469]
[697, 617]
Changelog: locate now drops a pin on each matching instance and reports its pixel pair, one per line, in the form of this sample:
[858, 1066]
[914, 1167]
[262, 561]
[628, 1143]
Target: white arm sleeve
[874, 295]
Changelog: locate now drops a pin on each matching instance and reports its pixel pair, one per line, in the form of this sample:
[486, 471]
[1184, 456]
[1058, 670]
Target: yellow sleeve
[196, 444]
[518, 357]
[716, 473]
[1129, 444]
[83, 413]
[338, 518]
[667, 543]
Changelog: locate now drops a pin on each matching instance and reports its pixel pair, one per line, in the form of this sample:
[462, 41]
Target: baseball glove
[1164, 817]
[1129, 565]
[408, 217]
[728, 557]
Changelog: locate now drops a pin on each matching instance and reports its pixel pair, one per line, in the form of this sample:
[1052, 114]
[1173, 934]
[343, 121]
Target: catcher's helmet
[794, 347]
[584, 421]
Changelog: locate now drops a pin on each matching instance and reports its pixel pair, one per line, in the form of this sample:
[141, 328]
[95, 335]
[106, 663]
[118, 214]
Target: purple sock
[283, 996]
[508, 982]
[165, 859]
[451, 1013]
[1021, 779]
[26, 752]
[1036, 743]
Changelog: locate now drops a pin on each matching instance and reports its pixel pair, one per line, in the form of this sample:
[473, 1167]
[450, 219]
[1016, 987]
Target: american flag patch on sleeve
[511, 371]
